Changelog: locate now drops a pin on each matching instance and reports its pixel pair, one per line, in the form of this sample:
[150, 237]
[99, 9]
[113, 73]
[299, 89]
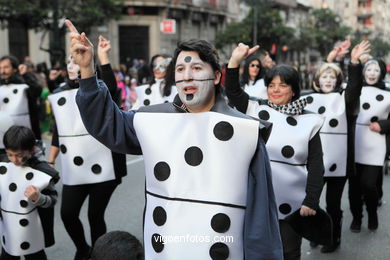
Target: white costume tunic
[287, 148]
[189, 197]
[84, 160]
[13, 100]
[151, 95]
[6, 122]
[370, 146]
[334, 131]
[258, 90]
[21, 228]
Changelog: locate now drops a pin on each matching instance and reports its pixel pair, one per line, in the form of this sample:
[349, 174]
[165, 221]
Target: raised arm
[355, 77]
[101, 117]
[237, 96]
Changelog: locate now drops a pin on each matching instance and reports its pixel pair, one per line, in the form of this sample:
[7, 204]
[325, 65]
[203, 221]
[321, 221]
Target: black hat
[317, 228]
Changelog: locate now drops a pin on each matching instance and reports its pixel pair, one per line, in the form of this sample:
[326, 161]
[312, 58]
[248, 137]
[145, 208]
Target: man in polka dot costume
[27, 198]
[207, 170]
[19, 91]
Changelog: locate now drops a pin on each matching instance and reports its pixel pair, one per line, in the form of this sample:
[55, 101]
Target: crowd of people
[248, 128]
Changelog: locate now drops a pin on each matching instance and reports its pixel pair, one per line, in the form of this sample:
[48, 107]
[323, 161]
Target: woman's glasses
[254, 65]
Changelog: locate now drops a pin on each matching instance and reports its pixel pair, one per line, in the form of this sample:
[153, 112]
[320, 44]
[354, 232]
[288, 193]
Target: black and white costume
[256, 89]
[89, 169]
[295, 153]
[184, 188]
[340, 109]
[18, 97]
[153, 94]
[26, 226]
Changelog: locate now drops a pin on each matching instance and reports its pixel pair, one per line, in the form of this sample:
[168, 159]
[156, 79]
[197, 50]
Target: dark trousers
[73, 198]
[334, 193]
[40, 255]
[364, 186]
[291, 241]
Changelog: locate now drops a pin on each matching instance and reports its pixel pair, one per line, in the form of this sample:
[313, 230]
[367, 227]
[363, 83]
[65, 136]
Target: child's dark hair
[19, 138]
[119, 245]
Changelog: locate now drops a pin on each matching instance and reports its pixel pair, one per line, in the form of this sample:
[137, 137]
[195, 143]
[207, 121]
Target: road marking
[134, 161]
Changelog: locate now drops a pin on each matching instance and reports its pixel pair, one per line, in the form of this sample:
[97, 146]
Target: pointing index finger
[71, 26]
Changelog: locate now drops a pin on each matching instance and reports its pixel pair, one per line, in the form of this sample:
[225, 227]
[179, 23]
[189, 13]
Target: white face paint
[372, 73]
[328, 80]
[195, 80]
[73, 69]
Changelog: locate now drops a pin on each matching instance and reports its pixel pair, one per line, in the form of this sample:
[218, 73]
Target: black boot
[84, 254]
[356, 225]
[337, 224]
[373, 221]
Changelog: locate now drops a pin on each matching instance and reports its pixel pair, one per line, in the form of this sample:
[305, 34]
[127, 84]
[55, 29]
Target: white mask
[73, 69]
[327, 81]
[194, 80]
[372, 72]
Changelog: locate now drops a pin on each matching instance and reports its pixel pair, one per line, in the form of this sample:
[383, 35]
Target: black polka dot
[78, 160]
[162, 171]
[309, 99]
[321, 110]
[166, 101]
[288, 151]
[4, 240]
[29, 176]
[219, 251]
[25, 245]
[61, 101]
[285, 208]
[223, 131]
[23, 222]
[220, 223]
[374, 119]
[333, 122]
[23, 203]
[96, 169]
[187, 59]
[3, 169]
[159, 216]
[13, 187]
[379, 97]
[5, 100]
[146, 102]
[157, 243]
[15, 91]
[63, 148]
[333, 167]
[148, 91]
[263, 115]
[291, 121]
[193, 156]
[366, 106]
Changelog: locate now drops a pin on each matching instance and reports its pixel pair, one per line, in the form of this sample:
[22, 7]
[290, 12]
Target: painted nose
[188, 75]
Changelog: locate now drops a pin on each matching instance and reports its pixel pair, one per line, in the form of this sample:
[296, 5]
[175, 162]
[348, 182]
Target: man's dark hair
[19, 138]
[118, 245]
[206, 52]
[14, 61]
[288, 75]
[245, 74]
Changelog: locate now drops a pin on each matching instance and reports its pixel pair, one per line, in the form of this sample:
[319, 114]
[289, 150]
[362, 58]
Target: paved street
[126, 209]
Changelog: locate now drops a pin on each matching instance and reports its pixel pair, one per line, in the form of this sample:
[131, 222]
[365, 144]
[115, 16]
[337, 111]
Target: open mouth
[190, 90]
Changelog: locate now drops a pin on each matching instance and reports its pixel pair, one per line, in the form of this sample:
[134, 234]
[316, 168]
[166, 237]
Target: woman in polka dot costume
[199, 141]
[294, 146]
[27, 197]
[253, 78]
[370, 144]
[339, 108]
[93, 173]
[157, 91]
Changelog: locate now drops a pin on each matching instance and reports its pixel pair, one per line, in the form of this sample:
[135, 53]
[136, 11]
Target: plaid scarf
[293, 108]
